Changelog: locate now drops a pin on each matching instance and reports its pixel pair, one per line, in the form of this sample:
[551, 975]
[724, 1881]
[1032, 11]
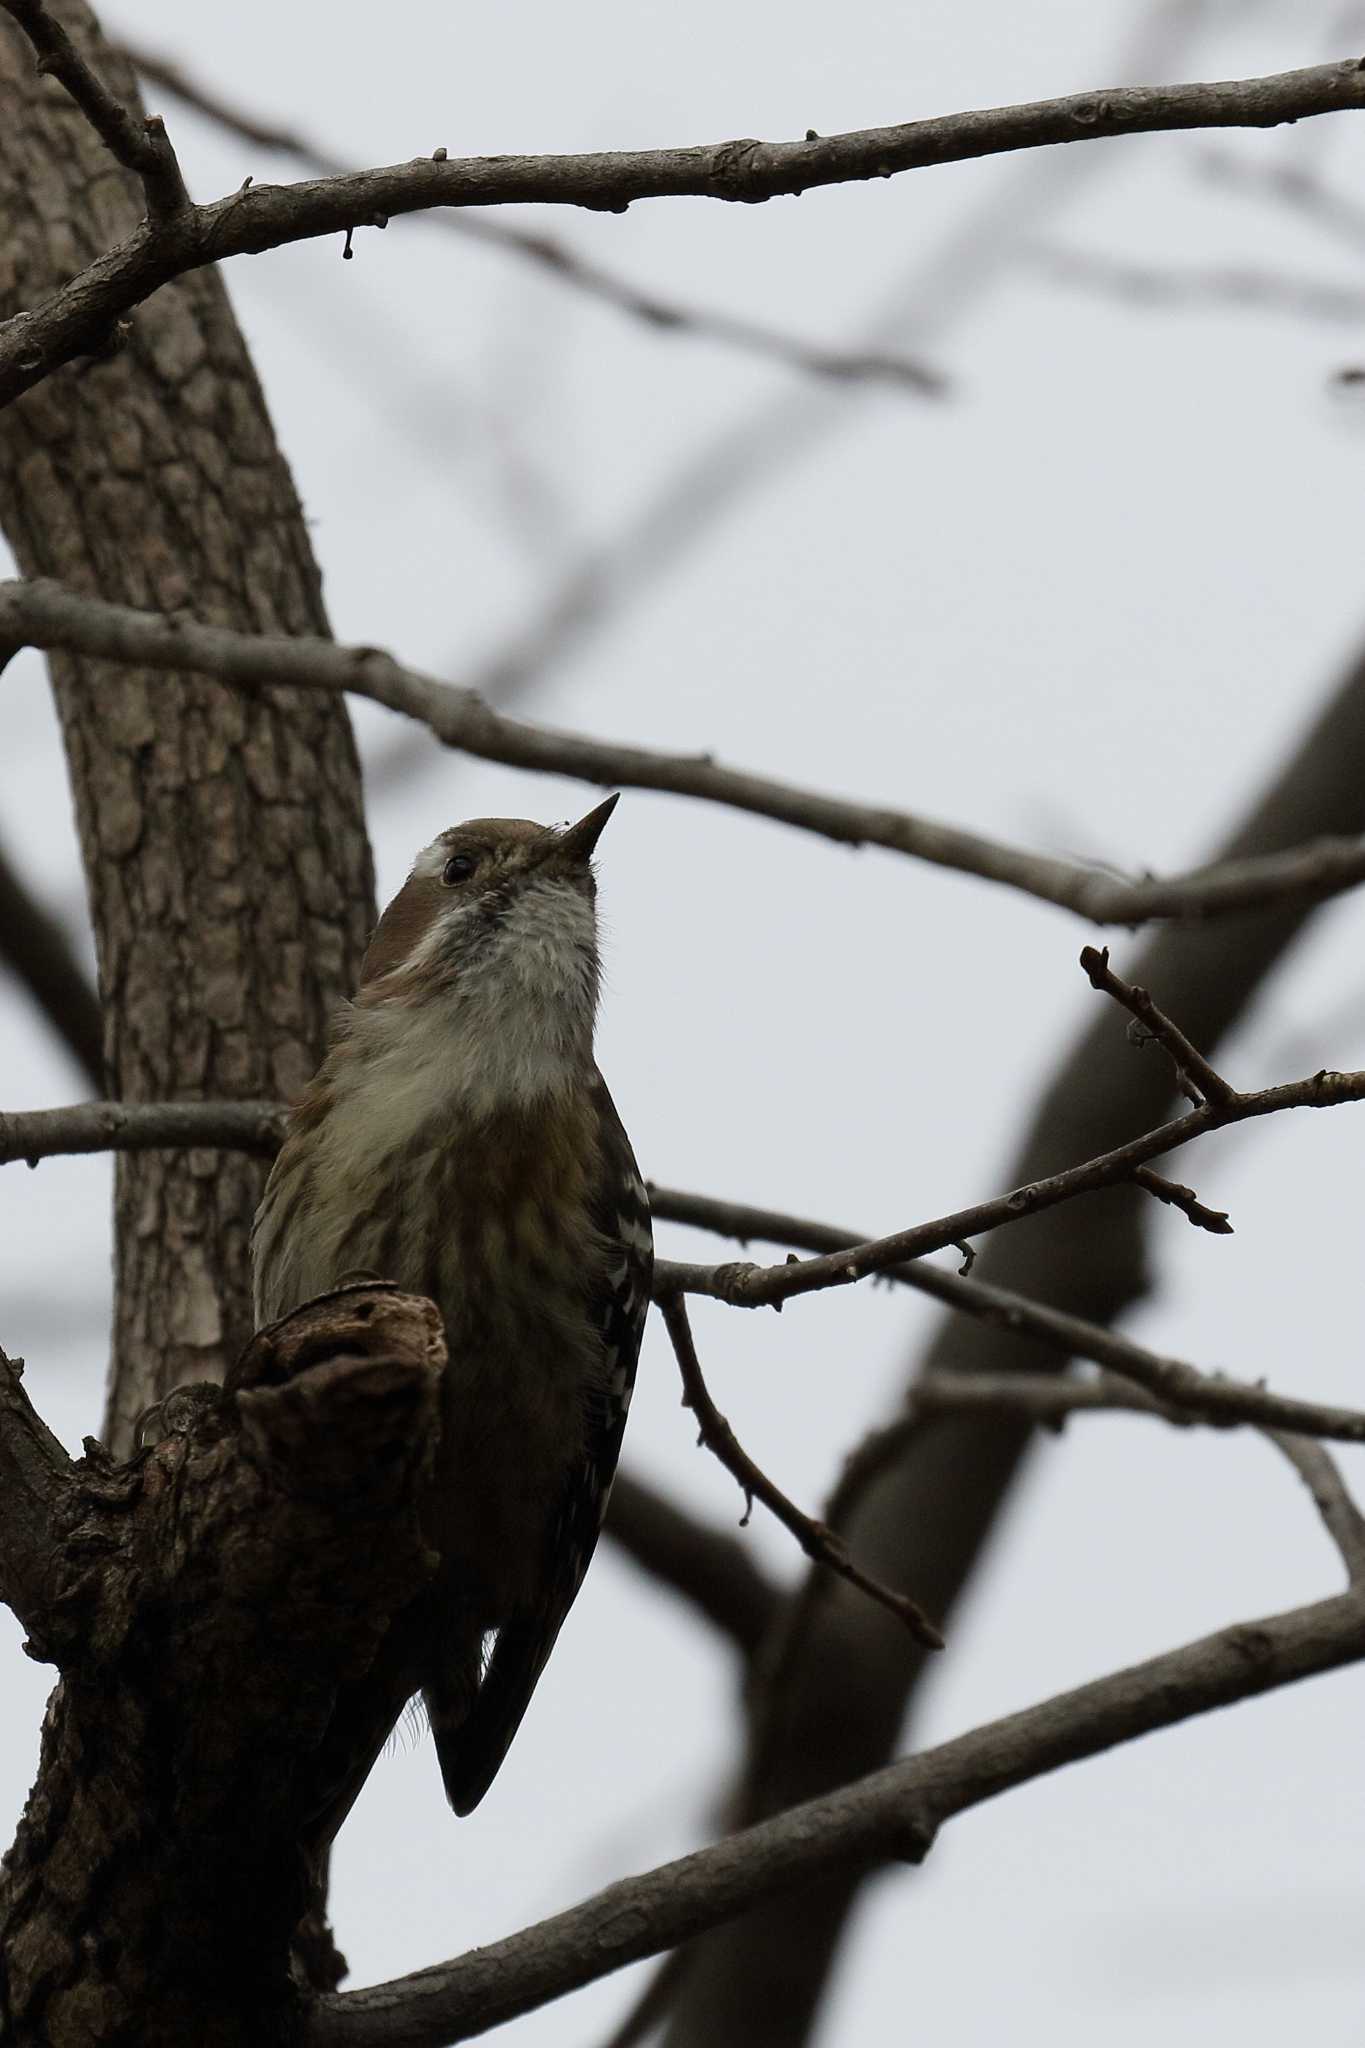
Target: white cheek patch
[430, 860]
[436, 941]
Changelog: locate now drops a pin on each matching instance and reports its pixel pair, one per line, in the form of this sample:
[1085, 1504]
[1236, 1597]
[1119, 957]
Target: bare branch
[141, 147]
[1196, 1079]
[706, 1566]
[34, 344]
[821, 1544]
[570, 266]
[35, 1474]
[1170, 1382]
[249, 1126]
[668, 316]
[39, 954]
[1341, 1517]
[1208, 1397]
[932, 1510]
[257, 1127]
[1295, 186]
[1050, 1399]
[891, 1815]
[749, 452]
[36, 1134]
[193, 92]
[749, 1286]
[44, 614]
[1151, 285]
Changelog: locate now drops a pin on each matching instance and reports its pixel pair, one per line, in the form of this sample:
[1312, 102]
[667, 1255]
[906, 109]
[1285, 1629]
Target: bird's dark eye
[459, 868]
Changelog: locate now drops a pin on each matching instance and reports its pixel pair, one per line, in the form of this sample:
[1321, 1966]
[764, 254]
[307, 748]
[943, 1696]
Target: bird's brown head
[493, 907]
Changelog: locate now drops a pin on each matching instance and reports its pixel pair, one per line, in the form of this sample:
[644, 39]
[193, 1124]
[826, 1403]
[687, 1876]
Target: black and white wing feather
[471, 1756]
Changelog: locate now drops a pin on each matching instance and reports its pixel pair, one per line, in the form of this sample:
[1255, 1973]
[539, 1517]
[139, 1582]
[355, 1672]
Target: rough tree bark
[925, 1521]
[153, 1891]
[223, 836]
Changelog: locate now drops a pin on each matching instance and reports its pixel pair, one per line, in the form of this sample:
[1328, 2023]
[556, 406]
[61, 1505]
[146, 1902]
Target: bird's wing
[472, 1753]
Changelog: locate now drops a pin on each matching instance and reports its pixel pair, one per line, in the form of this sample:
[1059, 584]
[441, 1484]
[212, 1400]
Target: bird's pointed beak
[580, 839]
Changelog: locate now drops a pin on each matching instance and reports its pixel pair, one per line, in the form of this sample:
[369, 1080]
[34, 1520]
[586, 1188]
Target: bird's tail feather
[472, 1738]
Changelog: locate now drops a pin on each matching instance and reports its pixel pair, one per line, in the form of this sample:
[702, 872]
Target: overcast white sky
[1083, 606]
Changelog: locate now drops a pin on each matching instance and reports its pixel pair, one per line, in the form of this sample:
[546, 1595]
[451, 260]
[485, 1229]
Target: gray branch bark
[892, 1815]
[659, 1533]
[270, 216]
[743, 1284]
[43, 614]
[1175, 1387]
[83, 1127]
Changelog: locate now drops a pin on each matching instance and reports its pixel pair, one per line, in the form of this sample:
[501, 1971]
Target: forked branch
[141, 147]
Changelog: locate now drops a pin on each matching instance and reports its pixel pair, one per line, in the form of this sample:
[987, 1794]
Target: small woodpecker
[459, 1141]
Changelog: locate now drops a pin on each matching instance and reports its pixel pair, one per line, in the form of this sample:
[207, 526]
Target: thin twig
[1293, 185]
[45, 614]
[745, 1285]
[1047, 1398]
[749, 452]
[1237, 286]
[35, 343]
[658, 313]
[35, 1134]
[821, 1544]
[1341, 1517]
[1198, 1081]
[141, 147]
[1201, 1396]
[1177, 1196]
[257, 1127]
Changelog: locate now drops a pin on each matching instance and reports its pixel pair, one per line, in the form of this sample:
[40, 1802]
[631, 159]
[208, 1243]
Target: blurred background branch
[658, 313]
[37, 951]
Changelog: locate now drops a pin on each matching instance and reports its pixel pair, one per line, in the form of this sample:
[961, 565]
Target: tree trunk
[156, 1881]
[223, 836]
[191, 1600]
